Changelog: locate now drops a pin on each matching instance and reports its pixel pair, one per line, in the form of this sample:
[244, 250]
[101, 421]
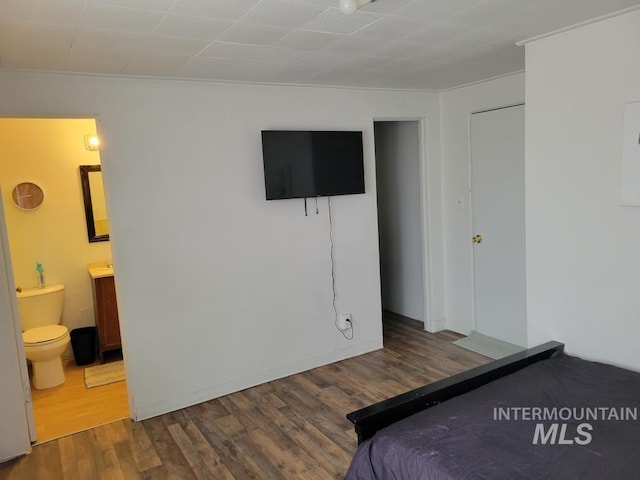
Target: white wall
[48, 153]
[456, 106]
[219, 289]
[583, 259]
[400, 217]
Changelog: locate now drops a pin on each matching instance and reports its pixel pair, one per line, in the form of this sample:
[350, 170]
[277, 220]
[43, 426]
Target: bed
[536, 414]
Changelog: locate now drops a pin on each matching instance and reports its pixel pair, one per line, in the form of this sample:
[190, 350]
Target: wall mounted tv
[306, 164]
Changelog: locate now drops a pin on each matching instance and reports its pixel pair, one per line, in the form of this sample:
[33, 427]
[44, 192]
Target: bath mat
[488, 346]
[104, 374]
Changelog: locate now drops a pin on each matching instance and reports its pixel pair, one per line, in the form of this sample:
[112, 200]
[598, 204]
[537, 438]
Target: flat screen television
[306, 164]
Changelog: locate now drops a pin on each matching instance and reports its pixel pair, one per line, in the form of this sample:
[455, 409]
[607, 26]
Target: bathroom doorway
[47, 152]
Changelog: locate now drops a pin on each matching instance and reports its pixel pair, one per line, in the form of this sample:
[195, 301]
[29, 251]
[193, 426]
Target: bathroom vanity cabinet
[106, 313]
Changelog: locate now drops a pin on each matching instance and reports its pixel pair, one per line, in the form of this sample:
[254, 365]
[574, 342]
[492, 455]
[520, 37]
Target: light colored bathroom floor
[71, 408]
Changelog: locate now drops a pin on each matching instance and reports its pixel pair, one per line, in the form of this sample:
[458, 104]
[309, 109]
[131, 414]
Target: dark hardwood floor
[286, 429]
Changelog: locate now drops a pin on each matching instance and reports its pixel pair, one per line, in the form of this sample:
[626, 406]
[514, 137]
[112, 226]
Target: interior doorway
[47, 152]
[400, 218]
[498, 217]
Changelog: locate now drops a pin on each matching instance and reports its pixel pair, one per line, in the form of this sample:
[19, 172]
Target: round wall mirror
[27, 195]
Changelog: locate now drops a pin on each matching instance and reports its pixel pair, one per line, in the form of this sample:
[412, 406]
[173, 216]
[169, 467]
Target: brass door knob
[477, 239]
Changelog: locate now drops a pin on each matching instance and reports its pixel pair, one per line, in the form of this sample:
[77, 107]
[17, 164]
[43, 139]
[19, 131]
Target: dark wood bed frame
[367, 421]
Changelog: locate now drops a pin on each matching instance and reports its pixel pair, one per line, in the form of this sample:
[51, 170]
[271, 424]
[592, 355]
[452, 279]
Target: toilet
[45, 340]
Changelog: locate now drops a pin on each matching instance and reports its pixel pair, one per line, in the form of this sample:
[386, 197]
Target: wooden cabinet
[106, 312]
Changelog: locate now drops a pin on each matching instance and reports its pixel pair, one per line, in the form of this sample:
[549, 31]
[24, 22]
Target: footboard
[367, 421]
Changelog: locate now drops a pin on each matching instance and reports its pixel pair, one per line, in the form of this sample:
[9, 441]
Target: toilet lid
[44, 334]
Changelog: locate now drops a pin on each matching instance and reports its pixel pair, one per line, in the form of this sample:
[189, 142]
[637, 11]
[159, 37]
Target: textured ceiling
[413, 44]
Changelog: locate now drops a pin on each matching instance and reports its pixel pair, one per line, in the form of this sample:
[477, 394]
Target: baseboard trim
[210, 392]
[436, 326]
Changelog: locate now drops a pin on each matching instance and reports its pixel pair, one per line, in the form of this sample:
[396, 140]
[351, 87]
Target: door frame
[471, 217]
[14, 324]
[8, 271]
[430, 278]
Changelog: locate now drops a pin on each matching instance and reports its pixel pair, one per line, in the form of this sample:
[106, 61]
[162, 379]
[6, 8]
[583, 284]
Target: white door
[497, 193]
[16, 412]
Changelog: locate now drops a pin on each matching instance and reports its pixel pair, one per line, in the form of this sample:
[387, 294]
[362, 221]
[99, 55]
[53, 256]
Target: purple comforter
[562, 418]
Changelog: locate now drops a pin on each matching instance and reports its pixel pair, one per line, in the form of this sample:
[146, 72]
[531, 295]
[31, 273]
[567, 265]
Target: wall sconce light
[91, 142]
[350, 6]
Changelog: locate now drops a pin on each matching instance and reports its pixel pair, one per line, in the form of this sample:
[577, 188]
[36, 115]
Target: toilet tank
[39, 307]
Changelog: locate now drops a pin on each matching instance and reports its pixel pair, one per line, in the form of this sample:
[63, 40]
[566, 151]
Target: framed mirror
[27, 196]
[95, 206]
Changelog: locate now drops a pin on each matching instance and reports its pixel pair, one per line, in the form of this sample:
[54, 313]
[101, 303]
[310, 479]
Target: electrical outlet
[344, 321]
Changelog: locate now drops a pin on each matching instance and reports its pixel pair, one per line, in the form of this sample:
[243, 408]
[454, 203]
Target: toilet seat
[41, 336]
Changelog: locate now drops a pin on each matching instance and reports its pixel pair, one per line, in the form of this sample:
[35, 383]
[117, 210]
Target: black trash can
[83, 343]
